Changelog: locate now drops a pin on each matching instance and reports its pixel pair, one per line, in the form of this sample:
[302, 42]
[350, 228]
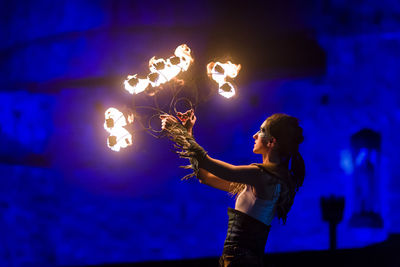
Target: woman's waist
[246, 222]
[245, 231]
[261, 214]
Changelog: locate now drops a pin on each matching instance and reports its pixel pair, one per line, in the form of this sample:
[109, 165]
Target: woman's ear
[272, 142]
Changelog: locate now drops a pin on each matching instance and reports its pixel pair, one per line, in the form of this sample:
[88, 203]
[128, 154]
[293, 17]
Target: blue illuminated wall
[66, 199]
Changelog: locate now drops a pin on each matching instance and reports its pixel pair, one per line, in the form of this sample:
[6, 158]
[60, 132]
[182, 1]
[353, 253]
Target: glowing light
[135, 85]
[183, 53]
[346, 161]
[361, 156]
[119, 138]
[114, 125]
[220, 72]
[161, 71]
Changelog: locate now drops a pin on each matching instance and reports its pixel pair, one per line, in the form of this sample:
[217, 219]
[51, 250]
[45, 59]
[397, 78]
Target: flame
[135, 85]
[114, 125]
[130, 118]
[161, 71]
[219, 72]
[119, 138]
[227, 90]
[183, 53]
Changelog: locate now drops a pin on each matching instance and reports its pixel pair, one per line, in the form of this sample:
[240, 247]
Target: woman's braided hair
[290, 172]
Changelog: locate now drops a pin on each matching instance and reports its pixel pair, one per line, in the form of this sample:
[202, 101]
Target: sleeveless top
[248, 227]
[260, 209]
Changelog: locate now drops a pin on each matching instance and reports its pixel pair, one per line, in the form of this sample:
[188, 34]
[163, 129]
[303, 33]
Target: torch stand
[332, 212]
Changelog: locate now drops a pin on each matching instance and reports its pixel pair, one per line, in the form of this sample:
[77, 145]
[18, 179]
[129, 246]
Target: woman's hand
[167, 120]
[188, 120]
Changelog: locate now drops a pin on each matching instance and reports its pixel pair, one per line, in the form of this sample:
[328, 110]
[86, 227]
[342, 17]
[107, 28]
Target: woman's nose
[255, 136]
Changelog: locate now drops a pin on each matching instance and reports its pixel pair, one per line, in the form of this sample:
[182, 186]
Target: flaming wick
[220, 72]
[161, 71]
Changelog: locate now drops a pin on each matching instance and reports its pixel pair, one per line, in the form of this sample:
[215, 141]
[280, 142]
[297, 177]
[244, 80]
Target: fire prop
[161, 71]
[220, 72]
[114, 125]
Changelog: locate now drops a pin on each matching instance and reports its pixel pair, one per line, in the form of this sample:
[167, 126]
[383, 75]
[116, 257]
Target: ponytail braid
[289, 136]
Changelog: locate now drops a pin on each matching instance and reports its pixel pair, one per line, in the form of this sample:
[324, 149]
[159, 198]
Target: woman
[262, 190]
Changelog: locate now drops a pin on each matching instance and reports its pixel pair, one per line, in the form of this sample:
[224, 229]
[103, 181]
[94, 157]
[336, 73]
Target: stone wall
[66, 199]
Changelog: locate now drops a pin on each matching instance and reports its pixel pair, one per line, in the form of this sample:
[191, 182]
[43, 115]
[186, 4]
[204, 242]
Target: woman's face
[260, 141]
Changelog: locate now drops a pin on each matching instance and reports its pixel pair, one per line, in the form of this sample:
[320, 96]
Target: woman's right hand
[188, 119]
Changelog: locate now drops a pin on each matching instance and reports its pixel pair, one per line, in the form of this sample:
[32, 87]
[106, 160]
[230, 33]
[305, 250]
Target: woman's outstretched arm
[210, 179]
[245, 174]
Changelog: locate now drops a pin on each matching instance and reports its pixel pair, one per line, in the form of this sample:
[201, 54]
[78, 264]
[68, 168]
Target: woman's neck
[271, 158]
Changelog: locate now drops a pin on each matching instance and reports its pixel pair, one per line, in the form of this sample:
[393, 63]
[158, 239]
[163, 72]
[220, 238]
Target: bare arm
[245, 174]
[209, 179]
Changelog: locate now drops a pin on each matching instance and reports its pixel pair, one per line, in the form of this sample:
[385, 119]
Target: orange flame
[219, 72]
[114, 125]
[161, 71]
[135, 85]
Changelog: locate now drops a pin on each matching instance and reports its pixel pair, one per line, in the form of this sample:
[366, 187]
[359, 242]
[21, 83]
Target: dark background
[66, 199]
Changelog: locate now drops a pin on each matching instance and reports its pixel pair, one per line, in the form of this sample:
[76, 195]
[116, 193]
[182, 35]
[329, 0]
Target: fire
[114, 125]
[135, 85]
[219, 72]
[183, 53]
[161, 71]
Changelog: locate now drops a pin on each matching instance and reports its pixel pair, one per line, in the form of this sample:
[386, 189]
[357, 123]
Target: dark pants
[245, 241]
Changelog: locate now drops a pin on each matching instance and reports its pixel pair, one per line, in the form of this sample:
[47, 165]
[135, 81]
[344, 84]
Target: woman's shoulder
[271, 171]
[265, 168]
